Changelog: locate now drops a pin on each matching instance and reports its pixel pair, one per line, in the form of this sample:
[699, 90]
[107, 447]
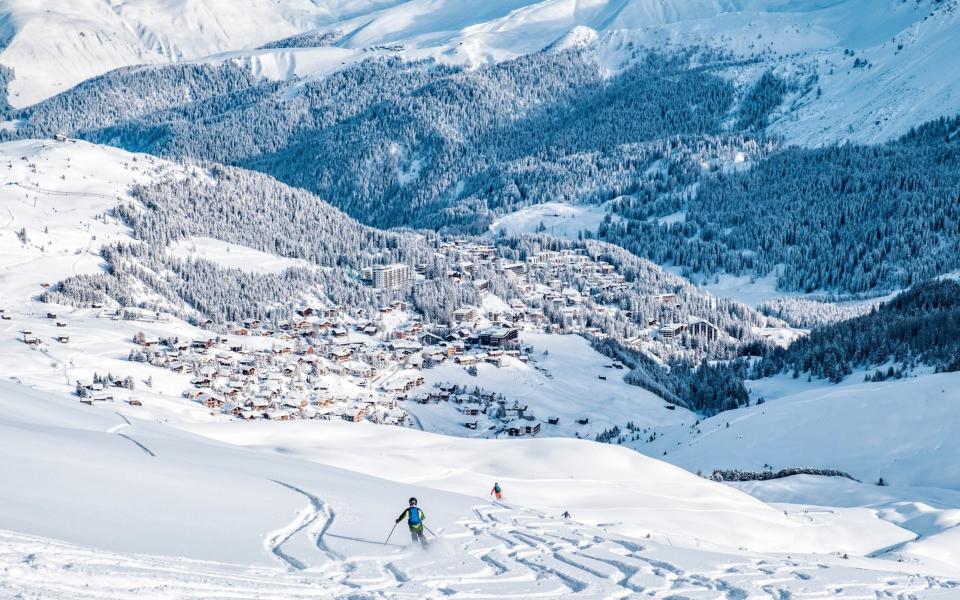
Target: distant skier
[497, 491]
[566, 514]
[415, 518]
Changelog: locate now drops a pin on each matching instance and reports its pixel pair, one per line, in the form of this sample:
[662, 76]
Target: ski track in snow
[494, 553]
[126, 423]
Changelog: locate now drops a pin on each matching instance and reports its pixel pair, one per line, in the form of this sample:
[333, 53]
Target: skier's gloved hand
[397, 521]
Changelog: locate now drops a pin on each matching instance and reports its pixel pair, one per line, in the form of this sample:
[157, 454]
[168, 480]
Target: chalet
[279, 415]
[61, 323]
[553, 420]
[496, 361]
[134, 402]
[51, 315]
[179, 367]
[63, 339]
[470, 425]
[259, 403]
[352, 415]
[522, 428]
[341, 355]
[211, 401]
[583, 421]
[297, 403]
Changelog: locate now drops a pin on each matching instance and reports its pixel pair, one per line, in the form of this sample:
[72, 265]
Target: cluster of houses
[545, 281]
[339, 363]
[307, 369]
[327, 363]
[501, 418]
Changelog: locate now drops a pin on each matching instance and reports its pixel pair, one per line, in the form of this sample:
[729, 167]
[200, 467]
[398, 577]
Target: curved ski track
[496, 552]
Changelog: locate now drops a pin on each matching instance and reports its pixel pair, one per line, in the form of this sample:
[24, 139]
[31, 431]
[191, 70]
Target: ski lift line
[41, 190]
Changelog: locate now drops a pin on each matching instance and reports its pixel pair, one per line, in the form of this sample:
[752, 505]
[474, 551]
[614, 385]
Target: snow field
[900, 430]
[142, 493]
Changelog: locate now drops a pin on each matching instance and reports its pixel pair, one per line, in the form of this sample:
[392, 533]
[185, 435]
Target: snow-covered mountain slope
[53, 45]
[131, 499]
[867, 71]
[908, 76]
[55, 197]
[553, 475]
[930, 513]
[902, 431]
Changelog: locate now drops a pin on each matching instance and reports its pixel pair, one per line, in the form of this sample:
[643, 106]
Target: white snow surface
[909, 47]
[900, 430]
[96, 505]
[559, 219]
[55, 44]
[604, 485]
[234, 256]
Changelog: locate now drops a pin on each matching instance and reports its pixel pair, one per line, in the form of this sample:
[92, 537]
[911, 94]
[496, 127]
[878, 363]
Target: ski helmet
[413, 501]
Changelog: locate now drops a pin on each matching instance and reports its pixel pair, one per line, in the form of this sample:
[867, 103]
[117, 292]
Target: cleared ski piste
[87, 512]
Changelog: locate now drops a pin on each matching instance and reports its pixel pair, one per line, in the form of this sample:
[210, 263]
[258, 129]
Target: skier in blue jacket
[415, 518]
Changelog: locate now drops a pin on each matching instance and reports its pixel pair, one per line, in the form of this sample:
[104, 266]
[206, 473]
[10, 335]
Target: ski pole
[428, 529]
[391, 534]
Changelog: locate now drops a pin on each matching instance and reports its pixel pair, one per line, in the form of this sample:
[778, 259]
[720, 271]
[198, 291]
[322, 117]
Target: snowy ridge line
[41, 190]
